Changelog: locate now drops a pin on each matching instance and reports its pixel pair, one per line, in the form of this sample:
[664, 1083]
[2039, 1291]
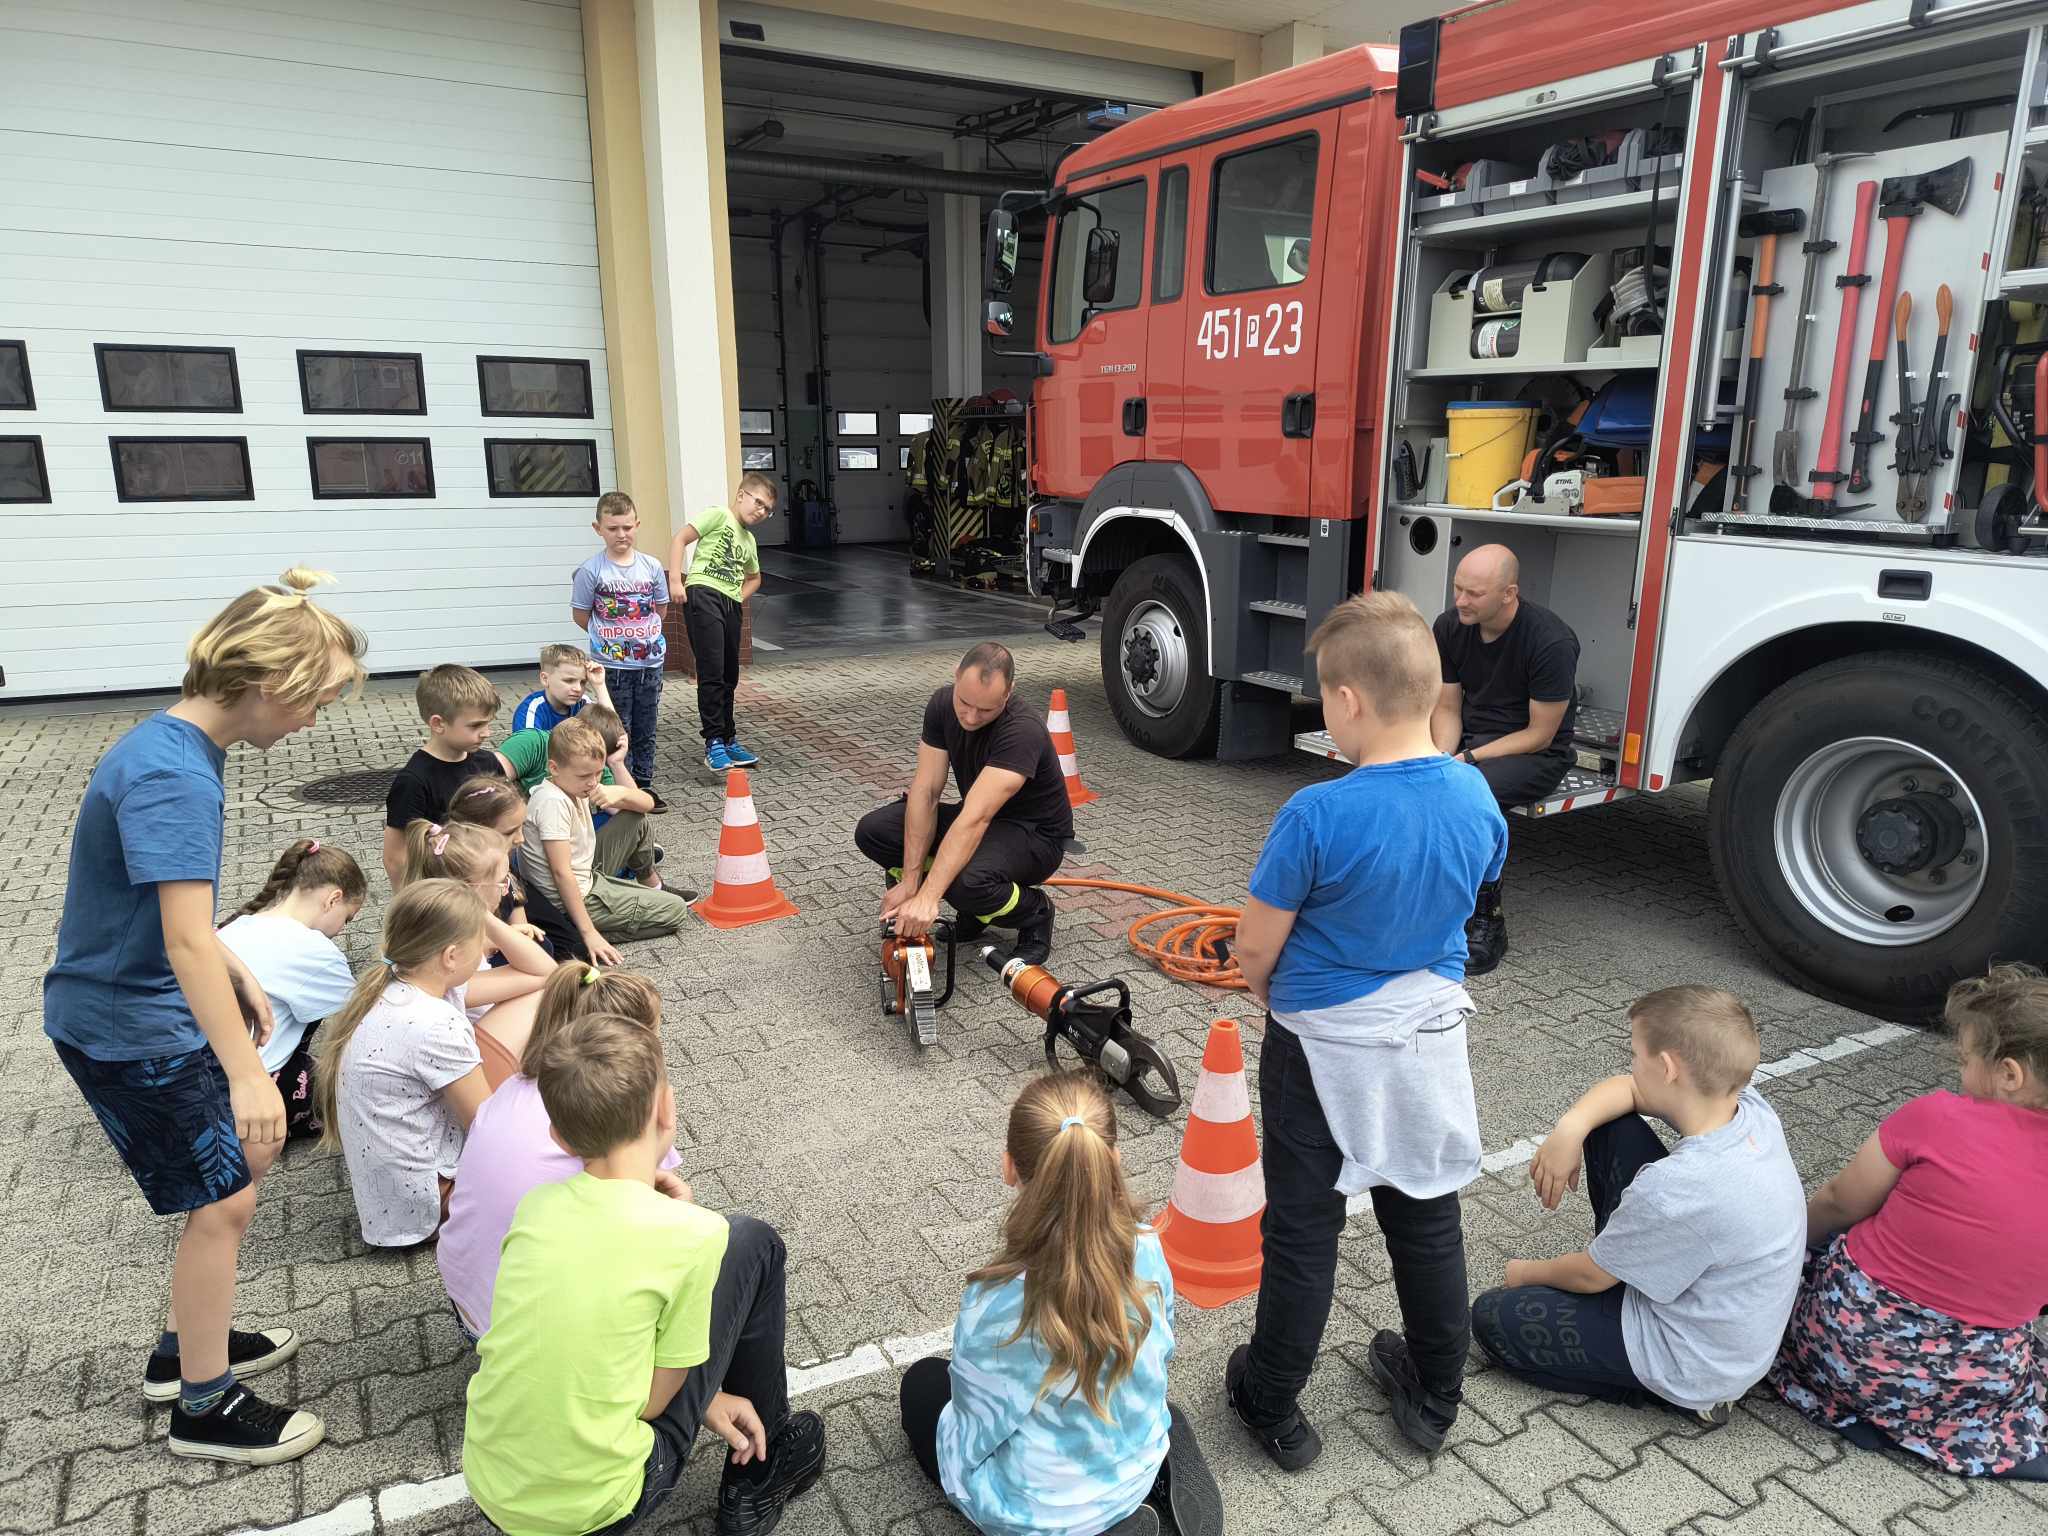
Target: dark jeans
[636, 695]
[1558, 1339]
[747, 1321]
[1012, 858]
[1303, 1218]
[563, 939]
[1518, 780]
[712, 621]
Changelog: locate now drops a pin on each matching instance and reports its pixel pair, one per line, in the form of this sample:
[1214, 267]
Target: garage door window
[362, 383]
[379, 467]
[860, 458]
[1260, 212]
[168, 378]
[1119, 212]
[17, 391]
[757, 423]
[534, 386]
[541, 466]
[23, 476]
[760, 457]
[181, 468]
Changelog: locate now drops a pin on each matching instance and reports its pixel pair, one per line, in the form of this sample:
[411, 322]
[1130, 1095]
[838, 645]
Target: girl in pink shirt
[511, 1147]
[1912, 1326]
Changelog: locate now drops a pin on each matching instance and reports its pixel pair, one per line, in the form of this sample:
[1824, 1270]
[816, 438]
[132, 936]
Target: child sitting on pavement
[1683, 1294]
[396, 1077]
[1052, 1416]
[500, 805]
[509, 1150]
[500, 1000]
[285, 934]
[624, 1317]
[458, 705]
[560, 855]
[1914, 1323]
[569, 680]
[619, 808]
[723, 574]
[1354, 938]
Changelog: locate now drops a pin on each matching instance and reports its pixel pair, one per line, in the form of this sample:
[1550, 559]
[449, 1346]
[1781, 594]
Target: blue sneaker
[716, 758]
[739, 756]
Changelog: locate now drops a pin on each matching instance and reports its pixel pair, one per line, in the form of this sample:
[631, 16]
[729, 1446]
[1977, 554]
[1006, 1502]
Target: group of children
[520, 1114]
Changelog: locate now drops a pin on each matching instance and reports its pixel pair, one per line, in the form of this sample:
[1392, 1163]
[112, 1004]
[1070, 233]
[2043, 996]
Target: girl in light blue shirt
[1052, 1419]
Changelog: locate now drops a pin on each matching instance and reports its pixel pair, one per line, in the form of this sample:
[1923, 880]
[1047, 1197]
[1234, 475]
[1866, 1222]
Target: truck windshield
[1120, 210]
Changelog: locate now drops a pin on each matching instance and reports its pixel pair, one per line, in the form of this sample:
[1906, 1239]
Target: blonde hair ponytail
[278, 639]
[1073, 1235]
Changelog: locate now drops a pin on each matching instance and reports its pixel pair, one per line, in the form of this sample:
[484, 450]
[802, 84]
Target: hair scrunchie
[1071, 1121]
[437, 839]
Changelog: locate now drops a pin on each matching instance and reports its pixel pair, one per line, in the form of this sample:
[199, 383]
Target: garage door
[278, 288]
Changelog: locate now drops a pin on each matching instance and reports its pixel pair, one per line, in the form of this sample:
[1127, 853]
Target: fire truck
[1724, 316]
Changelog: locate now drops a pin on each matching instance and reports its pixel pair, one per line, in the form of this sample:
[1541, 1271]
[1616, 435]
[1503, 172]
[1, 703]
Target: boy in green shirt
[624, 1317]
[724, 574]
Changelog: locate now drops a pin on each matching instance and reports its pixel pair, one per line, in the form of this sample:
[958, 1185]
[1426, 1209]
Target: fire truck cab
[1678, 252]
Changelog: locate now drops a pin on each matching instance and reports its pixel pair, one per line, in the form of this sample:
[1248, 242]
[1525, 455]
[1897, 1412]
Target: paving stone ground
[878, 1162]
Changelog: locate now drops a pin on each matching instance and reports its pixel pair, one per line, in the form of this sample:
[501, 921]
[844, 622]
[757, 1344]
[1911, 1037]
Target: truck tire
[1155, 658]
[1876, 827]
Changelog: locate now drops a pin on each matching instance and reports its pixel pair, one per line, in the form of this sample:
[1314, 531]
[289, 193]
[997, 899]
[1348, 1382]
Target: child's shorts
[171, 1120]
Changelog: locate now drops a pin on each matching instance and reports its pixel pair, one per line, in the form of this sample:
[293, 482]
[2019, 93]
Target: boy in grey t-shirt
[1684, 1293]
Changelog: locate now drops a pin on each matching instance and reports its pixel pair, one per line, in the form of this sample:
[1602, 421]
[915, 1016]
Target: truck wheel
[1876, 827]
[1155, 658]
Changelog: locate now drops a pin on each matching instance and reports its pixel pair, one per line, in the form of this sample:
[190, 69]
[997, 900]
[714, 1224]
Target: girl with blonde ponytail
[1052, 1417]
[162, 1027]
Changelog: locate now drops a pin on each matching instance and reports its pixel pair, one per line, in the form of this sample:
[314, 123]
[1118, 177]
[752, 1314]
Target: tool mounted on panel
[1923, 425]
[1785, 474]
[1765, 228]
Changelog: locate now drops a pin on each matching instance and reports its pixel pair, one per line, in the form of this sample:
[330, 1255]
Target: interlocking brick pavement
[877, 1162]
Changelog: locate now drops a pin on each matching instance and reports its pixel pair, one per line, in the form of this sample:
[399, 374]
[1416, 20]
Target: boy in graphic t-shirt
[725, 572]
[617, 597]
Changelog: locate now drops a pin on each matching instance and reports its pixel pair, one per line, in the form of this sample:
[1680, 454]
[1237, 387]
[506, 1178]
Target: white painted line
[408, 1501]
[864, 1361]
[766, 645]
[350, 1517]
[902, 1350]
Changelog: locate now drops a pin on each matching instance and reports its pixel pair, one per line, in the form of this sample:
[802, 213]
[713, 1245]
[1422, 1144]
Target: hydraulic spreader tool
[1095, 1020]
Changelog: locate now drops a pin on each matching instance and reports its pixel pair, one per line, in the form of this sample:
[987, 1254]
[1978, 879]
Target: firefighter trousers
[1013, 857]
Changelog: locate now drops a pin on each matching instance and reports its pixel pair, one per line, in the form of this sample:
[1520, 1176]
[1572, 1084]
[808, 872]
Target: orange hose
[1189, 950]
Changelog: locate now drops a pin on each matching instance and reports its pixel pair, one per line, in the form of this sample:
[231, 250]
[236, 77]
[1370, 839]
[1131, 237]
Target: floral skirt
[1972, 1400]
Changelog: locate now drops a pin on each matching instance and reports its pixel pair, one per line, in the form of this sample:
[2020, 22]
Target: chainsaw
[906, 980]
[1096, 1021]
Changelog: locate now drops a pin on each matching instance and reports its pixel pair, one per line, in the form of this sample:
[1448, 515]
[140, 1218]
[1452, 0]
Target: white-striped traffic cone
[1210, 1228]
[743, 891]
[1061, 729]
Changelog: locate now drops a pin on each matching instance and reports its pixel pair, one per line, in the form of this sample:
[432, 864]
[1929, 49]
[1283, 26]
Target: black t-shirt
[1016, 740]
[426, 784]
[1537, 658]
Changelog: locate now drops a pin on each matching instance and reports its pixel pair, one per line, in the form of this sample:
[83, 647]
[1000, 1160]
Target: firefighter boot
[1032, 919]
[1486, 932]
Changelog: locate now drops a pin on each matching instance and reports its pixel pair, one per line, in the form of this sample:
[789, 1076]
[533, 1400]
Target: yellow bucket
[1489, 440]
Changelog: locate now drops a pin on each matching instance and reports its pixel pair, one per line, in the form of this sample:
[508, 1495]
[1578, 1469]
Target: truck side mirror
[1000, 255]
[1297, 257]
[1098, 269]
[998, 320]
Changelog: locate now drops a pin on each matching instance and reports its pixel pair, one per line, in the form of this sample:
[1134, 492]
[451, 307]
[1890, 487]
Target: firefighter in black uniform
[987, 854]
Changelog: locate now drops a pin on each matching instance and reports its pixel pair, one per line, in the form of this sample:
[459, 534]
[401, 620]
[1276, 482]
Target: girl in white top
[501, 999]
[285, 935]
[396, 1076]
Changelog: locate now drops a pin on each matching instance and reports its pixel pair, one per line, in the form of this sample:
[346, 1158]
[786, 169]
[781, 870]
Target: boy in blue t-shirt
[618, 597]
[1354, 939]
[568, 680]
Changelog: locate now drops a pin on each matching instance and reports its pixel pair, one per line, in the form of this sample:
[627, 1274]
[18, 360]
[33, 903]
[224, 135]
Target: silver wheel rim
[1154, 643]
[1822, 806]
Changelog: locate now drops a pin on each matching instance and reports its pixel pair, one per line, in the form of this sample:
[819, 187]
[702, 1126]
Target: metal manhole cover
[365, 788]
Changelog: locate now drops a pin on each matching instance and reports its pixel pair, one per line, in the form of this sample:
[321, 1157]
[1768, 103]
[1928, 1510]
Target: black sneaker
[1034, 928]
[660, 804]
[1292, 1442]
[1425, 1417]
[1142, 1521]
[1715, 1414]
[1186, 1486]
[243, 1428]
[1486, 932]
[249, 1354]
[750, 1500]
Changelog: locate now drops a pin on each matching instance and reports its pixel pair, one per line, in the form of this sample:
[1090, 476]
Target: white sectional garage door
[197, 194]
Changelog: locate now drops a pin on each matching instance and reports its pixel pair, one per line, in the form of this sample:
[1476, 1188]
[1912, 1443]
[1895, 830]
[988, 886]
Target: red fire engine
[1726, 317]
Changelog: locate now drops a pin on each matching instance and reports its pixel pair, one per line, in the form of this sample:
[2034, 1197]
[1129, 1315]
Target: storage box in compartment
[1557, 318]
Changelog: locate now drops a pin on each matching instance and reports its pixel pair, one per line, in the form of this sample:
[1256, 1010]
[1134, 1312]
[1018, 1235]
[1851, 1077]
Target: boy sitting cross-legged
[1685, 1290]
[559, 856]
[624, 1317]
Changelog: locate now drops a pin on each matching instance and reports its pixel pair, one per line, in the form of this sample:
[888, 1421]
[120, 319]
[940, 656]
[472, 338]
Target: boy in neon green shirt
[724, 574]
[624, 1316]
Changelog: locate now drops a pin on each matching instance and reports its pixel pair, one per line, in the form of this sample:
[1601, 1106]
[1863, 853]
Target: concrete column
[682, 119]
[1298, 42]
[956, 238]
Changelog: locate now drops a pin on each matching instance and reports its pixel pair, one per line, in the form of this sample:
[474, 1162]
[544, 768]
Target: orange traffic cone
[1062, 730]
[1210, 1229]
[743, 890]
